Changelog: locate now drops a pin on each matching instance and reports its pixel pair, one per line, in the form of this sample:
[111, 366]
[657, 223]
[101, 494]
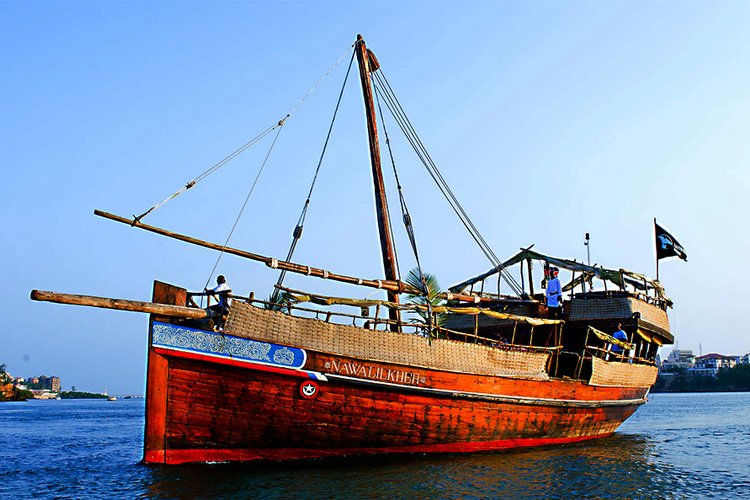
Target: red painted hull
[245, 455]
[216, 412]
[202, 407]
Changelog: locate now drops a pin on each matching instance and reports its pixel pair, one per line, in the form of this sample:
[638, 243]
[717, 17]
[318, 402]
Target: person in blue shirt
[554, 295]
[619, 335]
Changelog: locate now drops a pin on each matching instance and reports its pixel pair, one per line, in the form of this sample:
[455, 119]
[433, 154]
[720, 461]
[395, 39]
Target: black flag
[667, 245]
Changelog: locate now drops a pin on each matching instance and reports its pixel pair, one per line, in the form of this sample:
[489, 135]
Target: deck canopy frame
[622, 278]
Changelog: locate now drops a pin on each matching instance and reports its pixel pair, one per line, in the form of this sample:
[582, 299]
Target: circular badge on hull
[308, 389]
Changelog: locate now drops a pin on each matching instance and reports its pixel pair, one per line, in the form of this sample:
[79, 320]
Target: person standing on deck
[221, 291]
[619, 335]
[554, 295]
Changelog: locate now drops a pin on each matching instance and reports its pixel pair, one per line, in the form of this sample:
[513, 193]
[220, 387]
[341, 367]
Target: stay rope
[231, 156]
[405, 215]
[239, 215]
[412, 137]
[297, 234]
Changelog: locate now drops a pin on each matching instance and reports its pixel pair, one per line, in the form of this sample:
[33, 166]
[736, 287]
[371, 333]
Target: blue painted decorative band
[187, 339]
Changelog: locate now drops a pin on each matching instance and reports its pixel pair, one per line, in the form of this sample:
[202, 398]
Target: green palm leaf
[432, 287]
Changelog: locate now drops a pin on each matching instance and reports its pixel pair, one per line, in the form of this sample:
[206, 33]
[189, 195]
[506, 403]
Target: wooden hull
[203, 406]
[219, 412]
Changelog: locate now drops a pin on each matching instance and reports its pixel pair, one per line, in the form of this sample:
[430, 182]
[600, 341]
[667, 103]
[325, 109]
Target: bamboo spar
[390, 285]
[120, 304]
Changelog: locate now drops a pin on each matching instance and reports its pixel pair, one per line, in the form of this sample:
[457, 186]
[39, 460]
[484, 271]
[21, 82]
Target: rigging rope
[247, 198]
[404, 123]
[406, 216]
[317, 84]
[297, 234]
[245, 146]
[216, 166]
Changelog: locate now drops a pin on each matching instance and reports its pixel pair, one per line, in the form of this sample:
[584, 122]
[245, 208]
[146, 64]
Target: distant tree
[728, 379]
[81, 395]
[737, 378]
[660, 385]
[22, 394]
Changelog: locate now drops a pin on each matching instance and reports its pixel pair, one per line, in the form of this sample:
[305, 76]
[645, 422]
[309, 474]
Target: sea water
[675, 446]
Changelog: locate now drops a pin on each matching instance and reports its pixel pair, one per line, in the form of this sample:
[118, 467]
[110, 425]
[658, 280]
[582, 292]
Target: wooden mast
[381, 203]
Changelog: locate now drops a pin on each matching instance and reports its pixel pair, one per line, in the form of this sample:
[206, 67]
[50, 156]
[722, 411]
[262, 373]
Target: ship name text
[362, 370]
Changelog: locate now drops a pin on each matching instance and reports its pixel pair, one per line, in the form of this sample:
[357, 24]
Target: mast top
[372, 62]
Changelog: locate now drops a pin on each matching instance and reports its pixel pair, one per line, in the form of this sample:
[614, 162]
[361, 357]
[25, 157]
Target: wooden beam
[531, 278]
[388, 285]
[120, 304]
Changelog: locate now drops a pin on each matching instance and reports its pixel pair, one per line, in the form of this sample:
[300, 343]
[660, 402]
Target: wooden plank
[157, 380]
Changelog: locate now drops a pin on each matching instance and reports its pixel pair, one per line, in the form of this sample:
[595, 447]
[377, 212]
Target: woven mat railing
[383, 346]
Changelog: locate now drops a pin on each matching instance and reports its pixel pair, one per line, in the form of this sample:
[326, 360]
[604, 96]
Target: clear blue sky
[548, 119]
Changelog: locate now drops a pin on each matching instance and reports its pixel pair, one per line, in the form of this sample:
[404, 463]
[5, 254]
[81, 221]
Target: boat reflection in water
[621, 466]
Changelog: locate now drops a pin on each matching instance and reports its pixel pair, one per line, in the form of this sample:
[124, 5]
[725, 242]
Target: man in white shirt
[221, 291]
[554, 295]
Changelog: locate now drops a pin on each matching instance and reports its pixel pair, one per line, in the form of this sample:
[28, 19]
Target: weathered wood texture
[554, 389]
[120, 304]
[220, 408]
[154, 442]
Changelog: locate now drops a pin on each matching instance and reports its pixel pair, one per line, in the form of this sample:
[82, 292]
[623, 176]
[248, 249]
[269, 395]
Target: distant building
[745, 359]
[710, 364]
[51, 383]
[678, 359]
[43, 394]
[44, 382]
[54, 384]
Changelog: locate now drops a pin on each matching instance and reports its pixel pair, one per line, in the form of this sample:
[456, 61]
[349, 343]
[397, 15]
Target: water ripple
[676, 446]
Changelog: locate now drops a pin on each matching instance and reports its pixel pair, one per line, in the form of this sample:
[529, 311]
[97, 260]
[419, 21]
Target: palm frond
[277, 301]
[432, 287]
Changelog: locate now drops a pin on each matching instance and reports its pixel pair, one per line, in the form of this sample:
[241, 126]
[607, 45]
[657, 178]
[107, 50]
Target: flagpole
[657, 253]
